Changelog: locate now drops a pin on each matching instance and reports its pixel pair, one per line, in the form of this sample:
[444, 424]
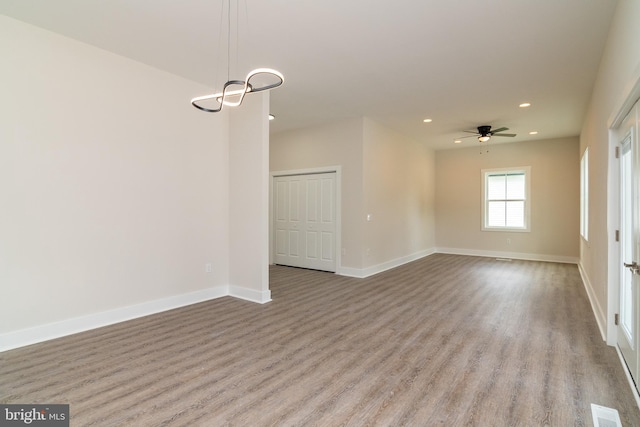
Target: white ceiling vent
[605, 417]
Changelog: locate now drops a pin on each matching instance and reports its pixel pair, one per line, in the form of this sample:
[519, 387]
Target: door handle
[634, 267]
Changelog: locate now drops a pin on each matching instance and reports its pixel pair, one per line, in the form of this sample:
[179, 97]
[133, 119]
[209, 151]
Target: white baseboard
[350, 272]
[362, 273]
[34, 335]
[261, 297]
[601, 319]
[512, 255]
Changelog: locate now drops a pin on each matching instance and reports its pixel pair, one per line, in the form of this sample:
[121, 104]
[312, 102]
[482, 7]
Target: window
[584, 195]
[506, 201]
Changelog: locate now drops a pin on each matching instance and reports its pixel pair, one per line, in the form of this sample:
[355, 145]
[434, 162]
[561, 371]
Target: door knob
[634, 267]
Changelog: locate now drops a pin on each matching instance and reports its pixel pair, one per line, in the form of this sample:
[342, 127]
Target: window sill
[509, 230]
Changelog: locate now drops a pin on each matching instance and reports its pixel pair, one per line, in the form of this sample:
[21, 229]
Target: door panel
[328, 243]
[281, 201]
[328, 201]
[294, 238]
[287, 221]
[312, 200]
[281, 240]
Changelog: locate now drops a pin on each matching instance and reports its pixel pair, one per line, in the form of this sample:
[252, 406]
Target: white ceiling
[462, 63]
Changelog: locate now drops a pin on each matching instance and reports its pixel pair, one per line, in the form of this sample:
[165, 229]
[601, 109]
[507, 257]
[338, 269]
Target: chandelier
[234, 91]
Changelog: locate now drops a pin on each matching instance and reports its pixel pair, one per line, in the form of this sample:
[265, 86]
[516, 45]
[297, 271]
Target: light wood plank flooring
[444, 341]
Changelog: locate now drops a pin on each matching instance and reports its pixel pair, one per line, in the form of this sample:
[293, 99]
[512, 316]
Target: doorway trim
[613, 208]
[310, 171]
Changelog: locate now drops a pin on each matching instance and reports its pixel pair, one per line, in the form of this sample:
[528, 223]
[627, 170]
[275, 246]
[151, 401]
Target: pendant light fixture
[234, 91]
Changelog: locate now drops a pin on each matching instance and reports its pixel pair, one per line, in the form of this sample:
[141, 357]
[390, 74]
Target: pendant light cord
[229, 40]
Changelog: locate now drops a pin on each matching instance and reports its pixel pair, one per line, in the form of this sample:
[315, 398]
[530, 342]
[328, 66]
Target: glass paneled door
[629, 320]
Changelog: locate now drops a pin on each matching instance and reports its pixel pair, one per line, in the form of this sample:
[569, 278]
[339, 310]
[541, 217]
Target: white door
[629, 319]
[305, 220]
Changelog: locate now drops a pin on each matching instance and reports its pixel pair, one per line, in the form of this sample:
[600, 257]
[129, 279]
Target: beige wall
[399, 192]
[383, 174]
[336, 144]
[615, 90]
[555, 188]
[116, 191]
[109, 184]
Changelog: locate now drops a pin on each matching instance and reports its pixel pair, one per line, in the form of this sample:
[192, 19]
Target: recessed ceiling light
[457, 141]
[272, 117]
[525, 105]
[534, 132]
[427, 120]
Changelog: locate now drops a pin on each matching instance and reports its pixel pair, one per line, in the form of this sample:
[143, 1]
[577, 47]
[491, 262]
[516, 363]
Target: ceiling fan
[484, 133]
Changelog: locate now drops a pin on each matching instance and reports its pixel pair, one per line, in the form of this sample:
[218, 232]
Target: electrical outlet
[208, 268]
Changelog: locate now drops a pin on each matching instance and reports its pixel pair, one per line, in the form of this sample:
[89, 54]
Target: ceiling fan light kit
[484, 133]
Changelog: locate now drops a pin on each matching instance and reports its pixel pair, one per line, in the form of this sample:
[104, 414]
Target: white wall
[249, 199]
[555, 191]
[113, 188]
[615, 89]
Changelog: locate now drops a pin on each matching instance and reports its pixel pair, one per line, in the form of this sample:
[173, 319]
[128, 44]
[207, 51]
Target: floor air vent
[605, 417]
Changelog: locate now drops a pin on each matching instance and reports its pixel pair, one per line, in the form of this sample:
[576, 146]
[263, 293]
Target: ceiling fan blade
[468, 136]
[475, 132]
[504, 134]
[499, 130]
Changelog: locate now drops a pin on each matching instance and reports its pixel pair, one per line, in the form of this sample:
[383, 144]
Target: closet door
[305, 220]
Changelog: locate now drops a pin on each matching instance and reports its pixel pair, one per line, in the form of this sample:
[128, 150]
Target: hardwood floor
[444, 341]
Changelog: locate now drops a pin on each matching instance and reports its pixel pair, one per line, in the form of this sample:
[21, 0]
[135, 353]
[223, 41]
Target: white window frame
[526, 170]
[584, 195]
